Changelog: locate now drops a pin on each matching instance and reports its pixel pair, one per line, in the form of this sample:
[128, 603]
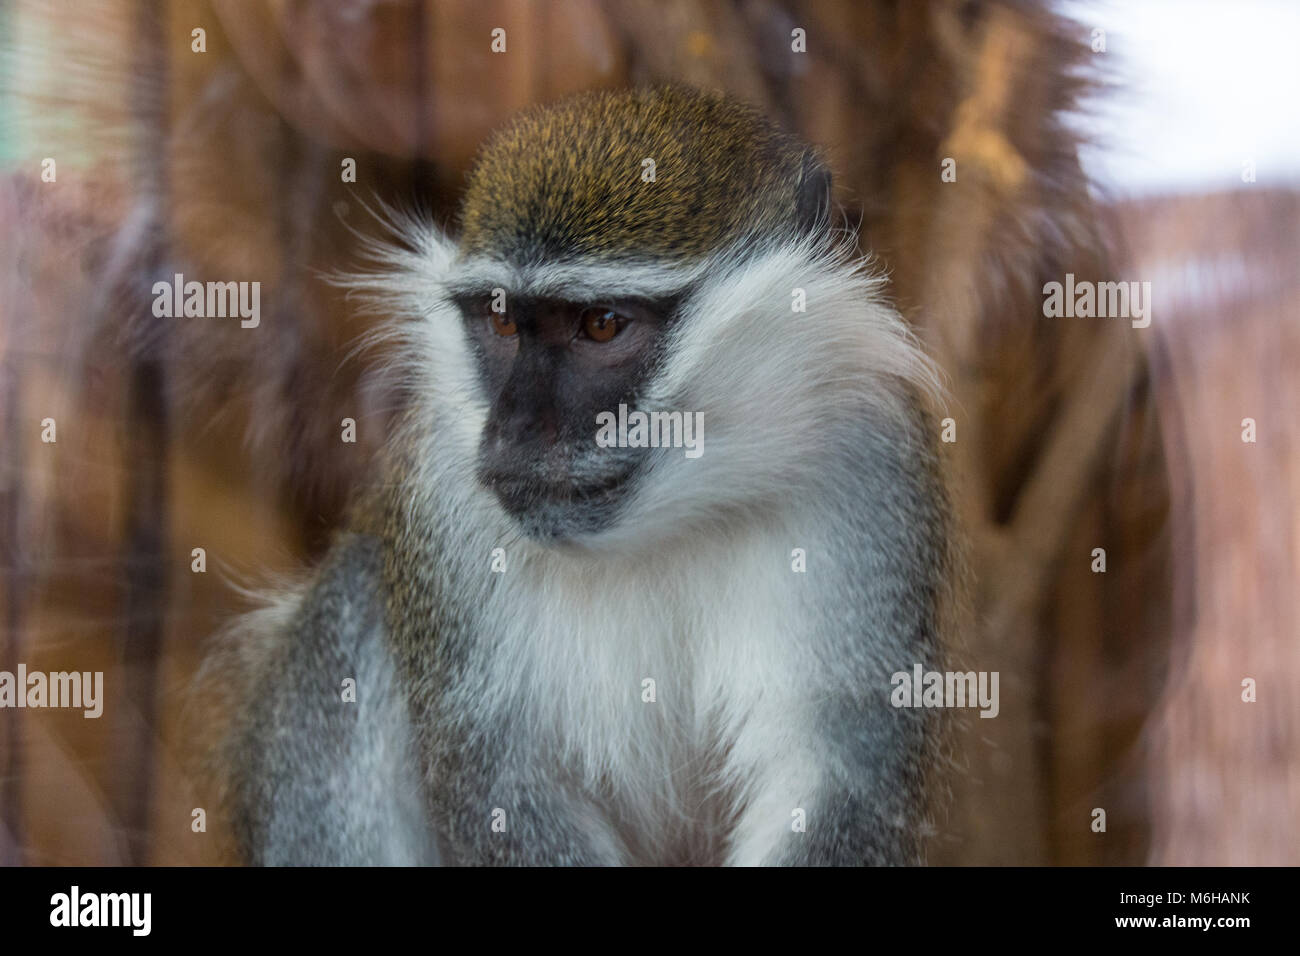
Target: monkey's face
[632, 257]
[548, 368]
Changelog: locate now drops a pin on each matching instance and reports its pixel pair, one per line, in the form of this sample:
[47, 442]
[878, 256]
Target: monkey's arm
[855, 771]
[847, 788]
[525, 820]
[317, 774]
[869, 806]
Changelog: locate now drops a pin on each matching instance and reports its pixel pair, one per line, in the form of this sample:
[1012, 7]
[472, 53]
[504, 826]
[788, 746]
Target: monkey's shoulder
[344, 598]
[322, 759]
[309, 641]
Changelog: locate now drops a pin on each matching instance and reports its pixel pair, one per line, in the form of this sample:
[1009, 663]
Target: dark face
[548, 368]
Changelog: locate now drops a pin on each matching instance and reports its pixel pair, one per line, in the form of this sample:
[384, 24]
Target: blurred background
[1149, 142]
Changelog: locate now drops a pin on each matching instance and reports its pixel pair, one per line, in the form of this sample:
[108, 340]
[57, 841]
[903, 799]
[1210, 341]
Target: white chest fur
[665, 684]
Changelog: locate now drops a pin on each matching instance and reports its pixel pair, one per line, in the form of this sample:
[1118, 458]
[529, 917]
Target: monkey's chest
[647, 702]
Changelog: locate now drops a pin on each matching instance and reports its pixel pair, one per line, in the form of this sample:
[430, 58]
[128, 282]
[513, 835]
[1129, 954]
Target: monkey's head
[645, 251]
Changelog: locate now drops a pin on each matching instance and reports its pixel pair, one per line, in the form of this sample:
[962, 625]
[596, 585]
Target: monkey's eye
[503, 325]
[601, 324]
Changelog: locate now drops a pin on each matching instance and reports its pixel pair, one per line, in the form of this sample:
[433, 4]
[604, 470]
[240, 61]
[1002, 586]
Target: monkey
[572, 652]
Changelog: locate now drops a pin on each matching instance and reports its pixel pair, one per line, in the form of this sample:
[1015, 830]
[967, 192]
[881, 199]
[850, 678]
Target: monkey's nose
[524, 430]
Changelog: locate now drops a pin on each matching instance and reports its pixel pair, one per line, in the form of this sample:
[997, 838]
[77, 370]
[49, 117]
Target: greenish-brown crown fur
[566, 180]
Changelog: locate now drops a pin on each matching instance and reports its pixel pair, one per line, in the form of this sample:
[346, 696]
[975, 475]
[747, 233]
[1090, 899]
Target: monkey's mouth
[520, 494]
[549, 510]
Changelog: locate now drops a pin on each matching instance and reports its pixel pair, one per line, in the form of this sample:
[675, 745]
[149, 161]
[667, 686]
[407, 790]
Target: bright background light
[1200, 87]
